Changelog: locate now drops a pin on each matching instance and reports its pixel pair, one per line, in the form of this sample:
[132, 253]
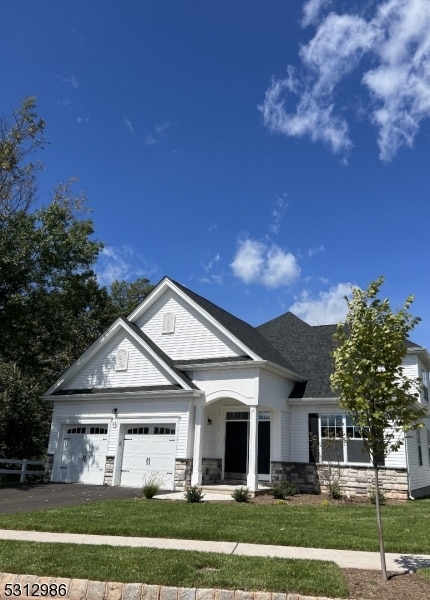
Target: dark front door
[236, 449]
[263, 447]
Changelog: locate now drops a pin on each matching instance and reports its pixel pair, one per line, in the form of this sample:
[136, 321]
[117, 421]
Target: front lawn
[350, 526]
[173, 568]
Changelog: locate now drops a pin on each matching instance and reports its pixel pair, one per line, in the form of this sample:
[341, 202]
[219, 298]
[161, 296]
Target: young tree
[369, 378]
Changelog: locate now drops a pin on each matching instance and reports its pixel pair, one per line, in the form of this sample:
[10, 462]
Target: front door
[236, 449]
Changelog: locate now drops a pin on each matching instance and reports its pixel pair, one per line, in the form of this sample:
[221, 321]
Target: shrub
[194, 494]
[152, 484]
[372, 496]
[335, 491]
[284, 489]
[241, 494]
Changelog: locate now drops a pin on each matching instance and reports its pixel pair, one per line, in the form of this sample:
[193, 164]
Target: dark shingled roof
[307, 348]
[248, 335]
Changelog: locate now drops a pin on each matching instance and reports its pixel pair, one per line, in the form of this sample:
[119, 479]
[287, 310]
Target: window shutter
[314, 440]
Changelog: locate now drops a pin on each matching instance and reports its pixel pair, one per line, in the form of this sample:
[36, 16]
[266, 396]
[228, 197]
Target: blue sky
[268, 155]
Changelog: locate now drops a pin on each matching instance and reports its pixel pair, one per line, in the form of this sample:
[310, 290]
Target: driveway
[25, 498]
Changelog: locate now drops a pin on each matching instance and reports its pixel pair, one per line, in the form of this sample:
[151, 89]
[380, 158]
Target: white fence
[23, 471]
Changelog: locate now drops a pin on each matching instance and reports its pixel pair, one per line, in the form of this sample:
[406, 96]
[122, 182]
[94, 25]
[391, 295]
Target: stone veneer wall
[183, 470]
[49, 462]
[355, 480]
[211, 469]
[108, 476]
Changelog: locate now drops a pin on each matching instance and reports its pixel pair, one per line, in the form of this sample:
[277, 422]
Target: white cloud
[313, 251]
[123, 263]
[278, 212]
[70, 80]
[396, 42]
[258, 262]
[325, 308]
[312, 10]
[160, 130]
[128, 124]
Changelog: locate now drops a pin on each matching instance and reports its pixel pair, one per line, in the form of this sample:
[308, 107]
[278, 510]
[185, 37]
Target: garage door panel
[83, 455]
[146, 454]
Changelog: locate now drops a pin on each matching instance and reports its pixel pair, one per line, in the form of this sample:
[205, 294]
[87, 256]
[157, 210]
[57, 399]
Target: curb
[27, 587]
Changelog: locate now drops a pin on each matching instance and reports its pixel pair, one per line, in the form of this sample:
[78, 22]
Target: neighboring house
[187, 391]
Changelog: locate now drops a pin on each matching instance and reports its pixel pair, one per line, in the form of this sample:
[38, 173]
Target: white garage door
[149, 451]
[84, 454]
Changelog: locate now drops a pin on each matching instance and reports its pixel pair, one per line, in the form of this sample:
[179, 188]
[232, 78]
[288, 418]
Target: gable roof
[249, 336]
[182, 380]
[308, 348]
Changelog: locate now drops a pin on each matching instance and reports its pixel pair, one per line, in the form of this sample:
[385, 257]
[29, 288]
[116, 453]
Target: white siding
[129, 411]
[275, 435]
[193, 337]
[273, 389]
[285, 435]
[211, 432]
[397, 459]
[410, 366]
[419, 476]
[100, 372]
[238, 383]
[299, 434]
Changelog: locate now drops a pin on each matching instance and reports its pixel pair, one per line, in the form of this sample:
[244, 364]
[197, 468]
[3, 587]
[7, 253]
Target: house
[185, 390]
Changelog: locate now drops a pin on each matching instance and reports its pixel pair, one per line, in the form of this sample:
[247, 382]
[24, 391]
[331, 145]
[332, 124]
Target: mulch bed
[363, 584]
[400, 586]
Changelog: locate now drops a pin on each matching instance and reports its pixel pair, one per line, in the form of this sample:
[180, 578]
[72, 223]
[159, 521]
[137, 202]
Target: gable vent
[168, 323]
[121, 360]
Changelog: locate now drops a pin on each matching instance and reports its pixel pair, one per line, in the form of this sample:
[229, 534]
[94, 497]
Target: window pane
[356, 452]
[332, 450]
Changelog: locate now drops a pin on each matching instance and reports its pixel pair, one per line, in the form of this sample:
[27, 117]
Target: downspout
[410, 497]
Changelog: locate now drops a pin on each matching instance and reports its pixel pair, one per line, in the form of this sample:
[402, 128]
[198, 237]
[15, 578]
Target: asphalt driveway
[25, 498]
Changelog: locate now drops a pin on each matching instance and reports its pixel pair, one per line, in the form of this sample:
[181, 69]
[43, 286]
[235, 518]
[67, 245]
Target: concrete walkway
[346, 559]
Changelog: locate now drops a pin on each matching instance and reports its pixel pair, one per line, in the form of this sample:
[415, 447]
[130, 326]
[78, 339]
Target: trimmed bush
[284, 489]
[241, 494]
[194, 494]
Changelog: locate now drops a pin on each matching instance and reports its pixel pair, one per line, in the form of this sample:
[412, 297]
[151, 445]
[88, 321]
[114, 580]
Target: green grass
[351, 526]
[173, 568]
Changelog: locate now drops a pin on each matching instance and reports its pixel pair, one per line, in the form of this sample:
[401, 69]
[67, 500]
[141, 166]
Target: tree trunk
[379, 522]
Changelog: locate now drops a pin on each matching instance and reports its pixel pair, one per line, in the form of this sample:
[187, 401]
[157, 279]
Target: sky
[267, 155]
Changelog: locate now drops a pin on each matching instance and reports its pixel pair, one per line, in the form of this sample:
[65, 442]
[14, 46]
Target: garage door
[149, 451]
[84, 454]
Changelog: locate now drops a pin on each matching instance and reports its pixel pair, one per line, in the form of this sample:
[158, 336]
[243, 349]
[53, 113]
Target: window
[341, 440]
[237, 416]
[98, 430]
[168, 323]
[428, 443]
[420, 453]
[425, 380]
[77, 430]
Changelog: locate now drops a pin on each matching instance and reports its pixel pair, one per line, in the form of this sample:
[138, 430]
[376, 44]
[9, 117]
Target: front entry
[236, 445]
[236, 449]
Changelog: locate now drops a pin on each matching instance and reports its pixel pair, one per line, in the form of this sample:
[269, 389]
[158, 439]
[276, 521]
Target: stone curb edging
[83, 589]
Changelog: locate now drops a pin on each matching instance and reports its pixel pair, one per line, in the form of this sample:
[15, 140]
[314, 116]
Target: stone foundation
[211, 470]
[49, 462]
[108, 476]
[353, 481]
[183, 470]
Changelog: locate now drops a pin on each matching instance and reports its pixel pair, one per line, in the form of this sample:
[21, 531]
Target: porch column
[252, 476]
[196, 476]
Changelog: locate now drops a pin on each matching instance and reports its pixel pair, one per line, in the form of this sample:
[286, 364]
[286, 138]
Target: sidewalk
[345, 559]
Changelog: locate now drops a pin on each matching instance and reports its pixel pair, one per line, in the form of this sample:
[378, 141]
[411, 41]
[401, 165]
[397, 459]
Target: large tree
[370, 381]
[51, 306]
